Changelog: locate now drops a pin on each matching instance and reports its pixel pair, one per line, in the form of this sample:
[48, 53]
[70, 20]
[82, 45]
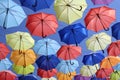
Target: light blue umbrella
[117, 67]
[11, 14]
[46, 47]
[67, 67]
[5, 64]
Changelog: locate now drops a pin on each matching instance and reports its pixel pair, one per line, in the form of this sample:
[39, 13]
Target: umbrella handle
[106, 29]
[71, 63]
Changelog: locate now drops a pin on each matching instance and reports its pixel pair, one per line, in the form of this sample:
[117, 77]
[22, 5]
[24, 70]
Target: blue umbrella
[66, 67]
[116, 31]
[46, 47]
[73, 34]
[47, 62]
[37, 4]
[28, 77]
[92, 59]
[11, 14]
[117, 67]
[95, 78]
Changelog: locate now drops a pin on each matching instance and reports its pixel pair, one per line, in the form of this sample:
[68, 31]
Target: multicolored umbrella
[28, 77]
[80, 77]
[115, 75]
[47, 62]
[46, 46]
[69, 10]
[52, 78]
[20, 40]
[11, 14]
[42, 24]
[100, 18]
[36, 4]
[97, 2]
[98, 42]
[73, 34]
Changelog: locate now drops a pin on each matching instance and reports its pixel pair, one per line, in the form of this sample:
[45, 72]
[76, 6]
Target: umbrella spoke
[70, 56]
[90, 70]
[99, 44]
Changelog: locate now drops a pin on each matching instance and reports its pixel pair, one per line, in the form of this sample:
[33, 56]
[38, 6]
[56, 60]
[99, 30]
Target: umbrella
[116, 31]
[3, 51]
[95, 78]
[11, 14]
[36, 4]
[42, 24]
[62, 76]
[65, 66]
[97, 2]
[23, 58]
[69, 10]
[89, 70]
[100, 18]
[68, 52]
[117, 67]
[93, 58]
[73, 34]
[28, 77]
[80, 77]
[20, 40]
[5, 64]
[46, 46]
[115, 75]
[24, 70]
[46, 74]
[52, 78]
[7, 75]
[47, 62]
[98, 42]
[114, 48]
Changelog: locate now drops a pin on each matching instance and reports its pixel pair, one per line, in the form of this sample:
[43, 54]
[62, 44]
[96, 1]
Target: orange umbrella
[23, 58]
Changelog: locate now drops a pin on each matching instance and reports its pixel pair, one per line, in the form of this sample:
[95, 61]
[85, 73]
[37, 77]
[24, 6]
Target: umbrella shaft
[99, 44]
[110, 64]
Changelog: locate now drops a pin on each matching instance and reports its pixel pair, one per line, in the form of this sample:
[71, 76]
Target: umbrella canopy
[52, 78]
[46, 74]
[28, 77]
[11, 14]
[3, 51]
[24, 70]
[89, 70]
[117, 67]
[73, 34]
[42, 24]
[98, 42]
[69, 11]
[114, 48]
[68, 52]
[93, 58]
[5, 64]
[62, 76]
[116, 31]
[36, 4]
[23, 58]
[46, 46]
[100, 18]
[115, 75]
[97, 2]
[80, 77]
[7, 75]
[20, 40]
[65, 66]
[47, 62]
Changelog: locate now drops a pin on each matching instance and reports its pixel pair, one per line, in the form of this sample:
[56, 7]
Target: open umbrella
[73, 34]
[24, 70]
[93, 58]
[114, 48]
[36, 4]
[80, 77]
[42, 24]
[98, 42]
[99, 18]
[11, 14]
[69, 10]
[3, 51]
[46, 46]
[47, 62]
[66, 67]
[20, 40]
[7, 75]
[52, 78]
[23, 58]
[46, 74]
[95, 78]
[115, 75]
[96, 2]
[28, 77]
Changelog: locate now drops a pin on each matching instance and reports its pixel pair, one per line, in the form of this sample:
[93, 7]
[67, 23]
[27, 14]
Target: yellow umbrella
[23, 58]
[69, 10]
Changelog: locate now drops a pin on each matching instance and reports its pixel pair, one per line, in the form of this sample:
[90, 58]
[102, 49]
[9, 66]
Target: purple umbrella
[101, 1]
[80, 77]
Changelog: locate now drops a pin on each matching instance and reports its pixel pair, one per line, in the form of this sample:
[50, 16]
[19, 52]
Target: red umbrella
[46, 74]
[3, 51]
[7, 75]
[42, 24]
[114, 49]
[100, 18]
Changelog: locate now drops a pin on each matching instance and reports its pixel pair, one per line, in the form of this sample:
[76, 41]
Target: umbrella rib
[61, 13]
[50, 27]
[75, 12]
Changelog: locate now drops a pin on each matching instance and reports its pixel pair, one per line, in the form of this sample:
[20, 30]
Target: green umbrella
[115, 75]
